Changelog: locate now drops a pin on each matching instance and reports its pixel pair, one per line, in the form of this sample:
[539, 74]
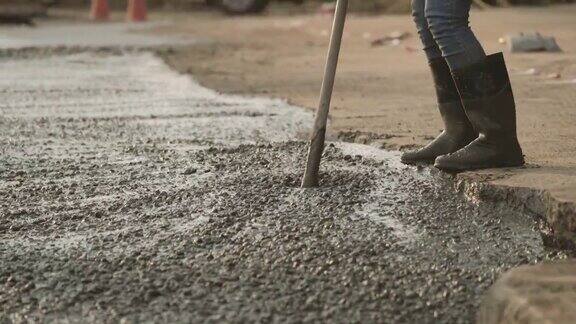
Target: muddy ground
[132, 194]
[384, 95]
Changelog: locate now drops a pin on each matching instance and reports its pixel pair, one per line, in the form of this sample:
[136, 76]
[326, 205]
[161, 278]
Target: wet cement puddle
[380, 206]
[132, 193]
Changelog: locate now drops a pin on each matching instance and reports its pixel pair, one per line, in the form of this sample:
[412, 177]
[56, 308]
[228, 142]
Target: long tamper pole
[319, 133]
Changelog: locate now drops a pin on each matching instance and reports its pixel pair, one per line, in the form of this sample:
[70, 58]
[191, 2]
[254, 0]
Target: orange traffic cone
[137, 10]
[99, 10]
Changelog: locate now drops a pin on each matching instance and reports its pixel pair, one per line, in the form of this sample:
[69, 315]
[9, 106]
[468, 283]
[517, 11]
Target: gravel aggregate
[151, 199]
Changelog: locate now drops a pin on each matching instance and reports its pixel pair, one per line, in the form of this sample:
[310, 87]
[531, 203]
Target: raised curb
[557, 219]
[544, 293]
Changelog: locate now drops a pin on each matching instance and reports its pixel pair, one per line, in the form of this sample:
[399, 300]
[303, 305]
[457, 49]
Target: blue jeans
[443, 26]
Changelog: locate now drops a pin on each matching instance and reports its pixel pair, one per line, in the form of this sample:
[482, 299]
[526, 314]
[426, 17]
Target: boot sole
[417, 162]
[499, 165]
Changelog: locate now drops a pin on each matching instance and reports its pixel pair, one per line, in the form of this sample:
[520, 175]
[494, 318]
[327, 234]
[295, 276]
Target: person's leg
[448, 21]
[458, 131]
[430, 47]
[484, 89]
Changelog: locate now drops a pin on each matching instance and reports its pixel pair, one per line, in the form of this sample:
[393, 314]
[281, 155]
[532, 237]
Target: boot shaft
[483, 79]
[446, 90]
[449, 103]
[487, 97]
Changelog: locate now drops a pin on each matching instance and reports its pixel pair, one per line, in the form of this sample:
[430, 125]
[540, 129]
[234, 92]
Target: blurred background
[256, 6]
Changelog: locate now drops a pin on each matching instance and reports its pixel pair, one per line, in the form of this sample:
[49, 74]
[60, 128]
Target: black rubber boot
[458, 131]
[489, 104]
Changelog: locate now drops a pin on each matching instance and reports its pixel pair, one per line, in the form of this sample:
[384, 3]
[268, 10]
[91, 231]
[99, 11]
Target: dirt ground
[384, 95]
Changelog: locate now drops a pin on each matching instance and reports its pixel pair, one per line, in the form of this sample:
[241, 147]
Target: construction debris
[21, 14]
[393, 39]
[531, 42]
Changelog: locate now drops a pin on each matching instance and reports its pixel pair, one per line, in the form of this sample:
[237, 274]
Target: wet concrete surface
[128, 192]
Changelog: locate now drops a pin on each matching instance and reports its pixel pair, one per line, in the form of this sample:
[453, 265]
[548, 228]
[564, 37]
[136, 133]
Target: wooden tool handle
[319, 132]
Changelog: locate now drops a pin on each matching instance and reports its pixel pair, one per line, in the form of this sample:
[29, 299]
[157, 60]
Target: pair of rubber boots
[479, 115]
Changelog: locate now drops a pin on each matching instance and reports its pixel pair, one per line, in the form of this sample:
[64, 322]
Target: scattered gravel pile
[225, 234]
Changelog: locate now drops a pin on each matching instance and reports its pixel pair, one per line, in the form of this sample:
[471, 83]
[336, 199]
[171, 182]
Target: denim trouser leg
[448, 23]
[430, 47]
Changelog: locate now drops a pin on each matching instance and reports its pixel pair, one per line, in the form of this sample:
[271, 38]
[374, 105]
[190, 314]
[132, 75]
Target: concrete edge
[556, 219]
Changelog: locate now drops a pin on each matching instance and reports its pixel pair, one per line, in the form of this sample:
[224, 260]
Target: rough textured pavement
[128, 192]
